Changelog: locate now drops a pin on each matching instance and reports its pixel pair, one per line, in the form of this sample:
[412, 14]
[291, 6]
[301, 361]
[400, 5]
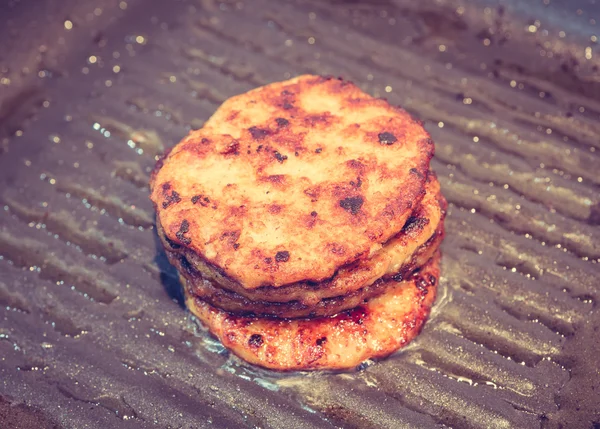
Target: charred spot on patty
[357, 183]
[282, 256]
[321, 341]
[422, 285]
[416, 172]
[282, 122]
[183, 229]
[230, 236]
[255, 340]
[414, 223]
[200, 199]
[352, 204]
[279, 157]
[258, 133]
[171, 199]
[232, 148]
[387, 138]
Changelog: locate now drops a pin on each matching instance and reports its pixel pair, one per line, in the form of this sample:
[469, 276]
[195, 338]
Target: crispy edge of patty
[373, 330]
[347, 279]
[235, 303]
[185, 222]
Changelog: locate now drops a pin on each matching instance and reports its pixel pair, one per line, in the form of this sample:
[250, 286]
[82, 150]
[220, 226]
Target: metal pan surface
[92, 331]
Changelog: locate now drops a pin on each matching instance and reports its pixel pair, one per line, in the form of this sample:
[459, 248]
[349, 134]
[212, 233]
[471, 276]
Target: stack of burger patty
[305, 224]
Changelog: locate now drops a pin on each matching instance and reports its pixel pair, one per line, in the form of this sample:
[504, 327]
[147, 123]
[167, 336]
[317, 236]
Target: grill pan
[92, 329]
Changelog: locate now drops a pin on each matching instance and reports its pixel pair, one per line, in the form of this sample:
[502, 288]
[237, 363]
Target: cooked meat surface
[373, 330]
[291, 181]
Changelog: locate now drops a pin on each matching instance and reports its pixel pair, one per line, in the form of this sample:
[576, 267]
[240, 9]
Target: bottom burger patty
[372, 330]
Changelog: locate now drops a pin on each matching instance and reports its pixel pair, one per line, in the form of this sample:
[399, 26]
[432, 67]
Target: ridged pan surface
[92, 331]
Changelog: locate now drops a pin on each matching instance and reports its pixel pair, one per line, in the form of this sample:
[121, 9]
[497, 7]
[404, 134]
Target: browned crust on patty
[291, 181]
[373, 330]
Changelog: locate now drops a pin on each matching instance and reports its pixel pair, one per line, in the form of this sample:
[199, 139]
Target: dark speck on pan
[88, 98]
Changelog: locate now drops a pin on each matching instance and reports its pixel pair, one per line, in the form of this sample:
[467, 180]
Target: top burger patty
[291, 181]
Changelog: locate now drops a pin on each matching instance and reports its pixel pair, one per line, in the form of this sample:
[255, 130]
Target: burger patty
[305, 224]
[391, 259]
[373, 330]
[291, 181]
[223, 299]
